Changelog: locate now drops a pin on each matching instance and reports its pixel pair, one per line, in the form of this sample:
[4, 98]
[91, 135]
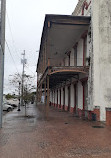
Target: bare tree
[28, 90]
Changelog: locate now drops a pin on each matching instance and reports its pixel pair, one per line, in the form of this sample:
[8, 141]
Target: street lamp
[19, 98]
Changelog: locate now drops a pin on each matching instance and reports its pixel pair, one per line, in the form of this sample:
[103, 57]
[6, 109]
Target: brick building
[73, 68]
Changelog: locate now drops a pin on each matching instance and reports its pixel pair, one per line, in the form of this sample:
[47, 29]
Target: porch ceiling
[62, 74]
[61, 33]
[63, 37]
[57, 78]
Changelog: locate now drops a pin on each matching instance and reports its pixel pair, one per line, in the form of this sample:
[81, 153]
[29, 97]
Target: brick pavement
[62, 136]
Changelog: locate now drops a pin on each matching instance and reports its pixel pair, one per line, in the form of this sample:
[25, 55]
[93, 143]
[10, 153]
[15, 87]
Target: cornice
[78, 7]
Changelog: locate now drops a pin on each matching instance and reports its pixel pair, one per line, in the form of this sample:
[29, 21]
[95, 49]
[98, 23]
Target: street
[61, 136]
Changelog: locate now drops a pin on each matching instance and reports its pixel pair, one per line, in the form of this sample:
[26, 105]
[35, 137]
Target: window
[84, 50]
[68, 54]
[69, 60]
[75, 56]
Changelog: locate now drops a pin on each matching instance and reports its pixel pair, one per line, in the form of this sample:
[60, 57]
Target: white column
[80, 95]
[66, 96]
[72, 95]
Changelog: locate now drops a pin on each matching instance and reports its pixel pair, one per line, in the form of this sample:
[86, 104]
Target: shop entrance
[85, 96]
[69, 98]
[63, 98]
[75, 99]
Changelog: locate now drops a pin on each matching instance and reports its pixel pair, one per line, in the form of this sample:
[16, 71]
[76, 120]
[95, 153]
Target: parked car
[7, 107]
[15, 99]
[12, 104]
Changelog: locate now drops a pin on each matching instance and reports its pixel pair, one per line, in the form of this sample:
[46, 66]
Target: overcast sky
[24, 24]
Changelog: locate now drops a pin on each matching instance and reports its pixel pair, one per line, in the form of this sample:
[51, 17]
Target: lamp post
[19, 98]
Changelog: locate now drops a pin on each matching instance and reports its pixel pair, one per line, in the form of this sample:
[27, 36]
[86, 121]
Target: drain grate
[44, 145]
[98, 126]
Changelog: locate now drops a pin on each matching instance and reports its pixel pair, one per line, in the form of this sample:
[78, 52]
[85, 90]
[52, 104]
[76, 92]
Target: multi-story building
[75, 59]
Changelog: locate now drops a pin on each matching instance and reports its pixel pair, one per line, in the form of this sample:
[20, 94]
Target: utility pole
[2, 48]
[23, 61]
[26, 100]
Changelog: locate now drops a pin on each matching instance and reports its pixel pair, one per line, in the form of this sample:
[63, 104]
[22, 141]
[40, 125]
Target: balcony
[59, 74]
[60, 34]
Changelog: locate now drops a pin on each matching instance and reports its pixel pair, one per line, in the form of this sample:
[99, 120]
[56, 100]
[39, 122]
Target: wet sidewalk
[62, 136]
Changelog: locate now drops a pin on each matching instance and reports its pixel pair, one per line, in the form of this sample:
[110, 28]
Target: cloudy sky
[24, 23]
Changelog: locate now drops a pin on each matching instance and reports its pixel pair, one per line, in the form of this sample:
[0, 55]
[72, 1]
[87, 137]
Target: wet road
[62, 136]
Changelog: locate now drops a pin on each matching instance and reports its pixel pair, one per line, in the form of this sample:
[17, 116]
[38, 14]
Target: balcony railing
[63, 65]
[70, 69]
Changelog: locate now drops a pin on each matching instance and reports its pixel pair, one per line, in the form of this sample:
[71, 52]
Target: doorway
[85, 96]
[75, 99]
[68, 99]
[60, 99]
[54, 98]
[57, 99]
[63, 98]
[84, 50]
[75, 56]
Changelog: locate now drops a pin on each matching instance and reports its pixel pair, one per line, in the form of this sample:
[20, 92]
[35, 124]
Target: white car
[7, 107]
[15, 99]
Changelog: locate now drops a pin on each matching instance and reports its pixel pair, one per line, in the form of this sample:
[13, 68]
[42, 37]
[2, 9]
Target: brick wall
[108, 116]
[97, 112]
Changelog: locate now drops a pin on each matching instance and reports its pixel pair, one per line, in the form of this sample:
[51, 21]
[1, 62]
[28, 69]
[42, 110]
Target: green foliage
[9, 96]
[29, 97]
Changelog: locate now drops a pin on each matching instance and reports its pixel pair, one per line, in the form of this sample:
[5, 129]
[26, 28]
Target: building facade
[73, 68]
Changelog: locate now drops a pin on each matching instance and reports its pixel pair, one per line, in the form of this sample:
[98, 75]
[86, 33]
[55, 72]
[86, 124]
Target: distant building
[75, 60]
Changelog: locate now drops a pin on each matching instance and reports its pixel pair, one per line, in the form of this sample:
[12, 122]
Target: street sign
[23, 61]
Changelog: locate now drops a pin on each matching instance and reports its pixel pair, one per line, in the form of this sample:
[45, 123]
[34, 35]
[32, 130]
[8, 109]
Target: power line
[10, 28]
[12, 58]
[29, 69]
[13, 39]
